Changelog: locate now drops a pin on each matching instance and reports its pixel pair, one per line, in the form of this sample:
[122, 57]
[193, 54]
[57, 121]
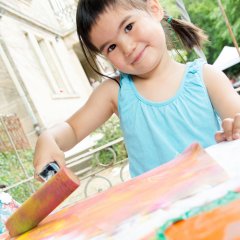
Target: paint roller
[59, 184]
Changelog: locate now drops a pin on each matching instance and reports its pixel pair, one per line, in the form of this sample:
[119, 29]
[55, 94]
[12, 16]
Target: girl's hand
[231, 129]
[52, 143]
[46, 151]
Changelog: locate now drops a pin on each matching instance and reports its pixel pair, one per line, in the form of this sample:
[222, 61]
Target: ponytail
[190, 35]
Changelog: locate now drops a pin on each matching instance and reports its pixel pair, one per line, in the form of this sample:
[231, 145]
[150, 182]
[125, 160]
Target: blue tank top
[156, 132]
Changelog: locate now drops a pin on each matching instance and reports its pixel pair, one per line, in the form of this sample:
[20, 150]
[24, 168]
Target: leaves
[111, 131]
[12, 173]
[207, 15]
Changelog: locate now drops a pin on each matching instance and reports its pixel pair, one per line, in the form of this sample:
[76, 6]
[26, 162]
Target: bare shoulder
[109, 83]
[216, 81]
[108, 91]
[212, 75]
[221, 92]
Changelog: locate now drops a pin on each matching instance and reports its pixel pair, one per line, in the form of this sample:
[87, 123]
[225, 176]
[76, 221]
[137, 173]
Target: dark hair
[190, 35]
[89, 11]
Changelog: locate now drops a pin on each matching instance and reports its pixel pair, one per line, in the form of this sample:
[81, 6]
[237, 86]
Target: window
[65, 11]
[25, 1]
[52, 65]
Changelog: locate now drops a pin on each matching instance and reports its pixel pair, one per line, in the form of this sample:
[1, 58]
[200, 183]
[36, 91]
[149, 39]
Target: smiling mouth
[139, 56]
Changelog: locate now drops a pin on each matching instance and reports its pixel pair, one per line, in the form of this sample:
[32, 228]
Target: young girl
[163, 105]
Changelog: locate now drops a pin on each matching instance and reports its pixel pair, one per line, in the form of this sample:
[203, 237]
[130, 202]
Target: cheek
[116, 60]
[154, 30]
[119, 66]
[148, 26]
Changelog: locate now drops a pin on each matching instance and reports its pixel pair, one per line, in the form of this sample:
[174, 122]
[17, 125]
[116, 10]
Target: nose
[127, 45]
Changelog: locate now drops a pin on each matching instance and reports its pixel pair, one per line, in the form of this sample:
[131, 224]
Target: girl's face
[132, 39]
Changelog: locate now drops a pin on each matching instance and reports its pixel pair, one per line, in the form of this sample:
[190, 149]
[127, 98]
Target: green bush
[12, 173]
[111, 131]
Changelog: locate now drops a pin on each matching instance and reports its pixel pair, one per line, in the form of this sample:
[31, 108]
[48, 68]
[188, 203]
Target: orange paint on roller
[42, 202]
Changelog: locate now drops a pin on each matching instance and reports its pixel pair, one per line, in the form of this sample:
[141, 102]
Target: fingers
[41, 162]
[36, 176]
[220, 137]
[227, 126]
[60, 159]
[236, 127]
[231, 129]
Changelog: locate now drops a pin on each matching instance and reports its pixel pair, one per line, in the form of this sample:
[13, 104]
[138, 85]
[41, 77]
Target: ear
[155, 9]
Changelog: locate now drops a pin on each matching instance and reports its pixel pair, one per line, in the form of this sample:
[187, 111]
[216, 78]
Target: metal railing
[10, 127]
[96, 175]
[94, 178]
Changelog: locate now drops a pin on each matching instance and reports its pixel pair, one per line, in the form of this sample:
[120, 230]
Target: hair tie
[169, 20]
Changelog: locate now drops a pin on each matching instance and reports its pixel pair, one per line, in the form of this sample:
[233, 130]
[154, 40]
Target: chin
[144, 67]
[148, 68]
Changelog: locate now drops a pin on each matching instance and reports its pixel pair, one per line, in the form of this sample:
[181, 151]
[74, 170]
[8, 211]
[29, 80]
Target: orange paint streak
[220, 223]
[156, 189]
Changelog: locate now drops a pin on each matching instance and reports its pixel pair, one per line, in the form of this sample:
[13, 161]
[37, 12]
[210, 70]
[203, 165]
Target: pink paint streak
[158, 188]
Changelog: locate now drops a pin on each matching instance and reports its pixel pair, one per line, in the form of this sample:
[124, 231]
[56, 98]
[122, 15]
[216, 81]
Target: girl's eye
[111, 47]
[128, 28]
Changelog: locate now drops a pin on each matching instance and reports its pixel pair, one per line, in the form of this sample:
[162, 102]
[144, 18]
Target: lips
[138, 56]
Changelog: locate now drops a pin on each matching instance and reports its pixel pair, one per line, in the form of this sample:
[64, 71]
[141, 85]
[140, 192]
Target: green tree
[170, 7]
[207, 15]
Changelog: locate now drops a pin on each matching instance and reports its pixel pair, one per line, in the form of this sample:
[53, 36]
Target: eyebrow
[119, 27]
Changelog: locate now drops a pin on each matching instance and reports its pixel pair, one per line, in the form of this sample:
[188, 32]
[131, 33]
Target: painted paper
[217, 220]
[109, 214]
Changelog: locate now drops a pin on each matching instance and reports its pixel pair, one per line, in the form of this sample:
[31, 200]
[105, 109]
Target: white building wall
[36, 19]
[39, 12]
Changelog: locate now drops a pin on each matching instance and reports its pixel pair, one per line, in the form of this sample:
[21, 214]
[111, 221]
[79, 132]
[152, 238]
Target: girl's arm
[225, 100]
[52, 143]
